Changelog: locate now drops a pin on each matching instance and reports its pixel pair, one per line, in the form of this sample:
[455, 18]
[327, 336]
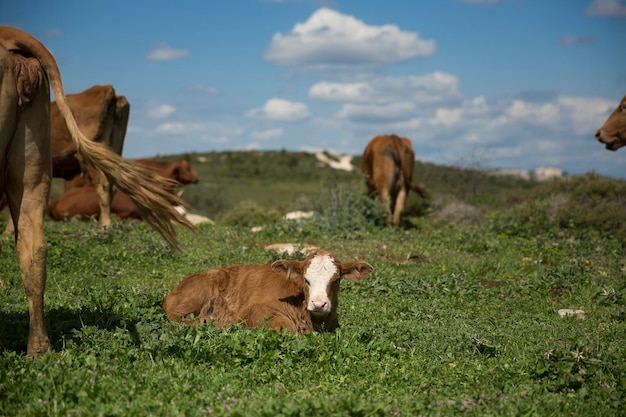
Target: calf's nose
[318, 305]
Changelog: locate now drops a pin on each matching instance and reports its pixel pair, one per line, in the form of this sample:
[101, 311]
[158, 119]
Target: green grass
[457, 317]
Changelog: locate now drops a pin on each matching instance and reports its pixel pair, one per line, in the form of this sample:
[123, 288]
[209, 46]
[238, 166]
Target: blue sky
[511, 84]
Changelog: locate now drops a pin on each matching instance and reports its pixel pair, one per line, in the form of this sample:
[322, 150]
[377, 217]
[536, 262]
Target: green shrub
[581, 203]
[346, 211]
[248, 214]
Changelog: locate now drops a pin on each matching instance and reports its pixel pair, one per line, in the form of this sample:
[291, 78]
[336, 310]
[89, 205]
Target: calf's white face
[318, 276]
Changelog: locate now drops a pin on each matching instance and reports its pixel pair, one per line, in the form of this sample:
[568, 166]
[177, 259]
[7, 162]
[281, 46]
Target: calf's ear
[287, 268]
[356, 271]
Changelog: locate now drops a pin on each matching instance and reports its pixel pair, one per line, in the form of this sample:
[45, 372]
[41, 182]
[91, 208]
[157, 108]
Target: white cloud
[607, 8]
[163, 52]
[447, 117]
[436, 87]
[586, 115]
[377, 112]
[267, 134]
[179, 128]
[330, 39]
[160, 111]
[280, 109]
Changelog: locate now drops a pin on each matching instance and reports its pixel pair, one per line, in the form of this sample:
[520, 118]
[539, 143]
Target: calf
[388, 168]
[301, 296]
[613, 131]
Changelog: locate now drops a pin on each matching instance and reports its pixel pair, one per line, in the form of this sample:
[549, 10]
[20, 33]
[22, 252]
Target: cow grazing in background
[387, 164]
[613, 131]
[300, 296]
[81, 200]
[27, 71]
[102, 116]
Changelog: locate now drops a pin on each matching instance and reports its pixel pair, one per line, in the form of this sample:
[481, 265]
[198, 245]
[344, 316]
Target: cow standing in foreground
[300, 296]
[613, 131]
[387, 164]
[27, 71]
[81, 200]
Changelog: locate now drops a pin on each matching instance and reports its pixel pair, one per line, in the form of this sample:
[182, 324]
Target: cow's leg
[28, 184]
[105, 195]
[258, 315]
[10, 229]
[399, 206]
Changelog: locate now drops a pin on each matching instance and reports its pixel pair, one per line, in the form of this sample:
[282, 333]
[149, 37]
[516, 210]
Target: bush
[248, 214]
[349, 211]
[577, 204]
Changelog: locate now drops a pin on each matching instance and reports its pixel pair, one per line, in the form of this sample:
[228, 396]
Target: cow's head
[320, 274]
[613, 131]
[183, 172]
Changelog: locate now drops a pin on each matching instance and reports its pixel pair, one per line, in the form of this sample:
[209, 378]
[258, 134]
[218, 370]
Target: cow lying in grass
[81, 200]
[301, 296]
[613, 132]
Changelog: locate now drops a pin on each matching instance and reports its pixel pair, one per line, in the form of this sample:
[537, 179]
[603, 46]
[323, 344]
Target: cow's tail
[154, 199]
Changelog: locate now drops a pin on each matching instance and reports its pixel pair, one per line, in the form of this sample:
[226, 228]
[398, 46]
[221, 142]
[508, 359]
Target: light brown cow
[388, 168]
[27, 71]
[613, 131]
[300, 296]
[102, 116]
[81, 201]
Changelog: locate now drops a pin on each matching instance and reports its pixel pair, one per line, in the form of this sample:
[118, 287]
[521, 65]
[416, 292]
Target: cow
[27, 72]
[613, 132]
[299, 296]
[387, 165]
[81, 200]
[102, 116]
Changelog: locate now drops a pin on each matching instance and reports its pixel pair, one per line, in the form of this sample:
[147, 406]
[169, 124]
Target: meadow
[459, 317]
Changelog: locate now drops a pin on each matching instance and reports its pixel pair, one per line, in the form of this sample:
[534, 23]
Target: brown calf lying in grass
[301, 296]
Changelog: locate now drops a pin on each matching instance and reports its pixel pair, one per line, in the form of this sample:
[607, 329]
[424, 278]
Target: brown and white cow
[387, 164]
[613, 131]
[27, 71]
[300, 296]
[81, 200]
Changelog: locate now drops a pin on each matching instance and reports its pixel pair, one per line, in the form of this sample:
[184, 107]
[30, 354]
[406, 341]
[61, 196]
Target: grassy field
[460, 315]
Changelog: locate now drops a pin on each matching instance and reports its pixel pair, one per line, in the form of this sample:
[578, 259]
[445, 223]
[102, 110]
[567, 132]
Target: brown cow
[82, 201]
[102, 116]
[387, 164]
[27, 71]
[613, 131]
[300, 296]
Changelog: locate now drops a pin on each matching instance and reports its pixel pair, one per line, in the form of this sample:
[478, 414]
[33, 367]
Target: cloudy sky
[511, 84]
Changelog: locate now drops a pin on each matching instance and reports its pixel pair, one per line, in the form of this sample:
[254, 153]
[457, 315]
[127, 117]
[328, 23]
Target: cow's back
[76, 202]
[382, 163]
